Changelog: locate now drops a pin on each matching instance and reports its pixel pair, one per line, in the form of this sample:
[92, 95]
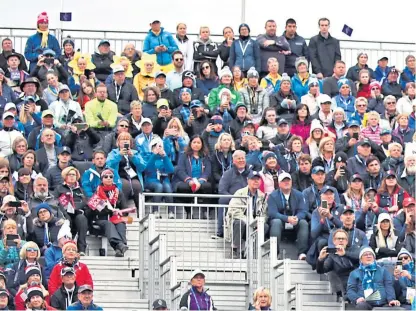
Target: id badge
[410, 294]
[288, 226]
[369, 233]
[70, 209]
[368, 292]
[131, 172]
[158, 174]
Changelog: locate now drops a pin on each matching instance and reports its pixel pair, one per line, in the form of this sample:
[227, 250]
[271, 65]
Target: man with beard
[407, 176]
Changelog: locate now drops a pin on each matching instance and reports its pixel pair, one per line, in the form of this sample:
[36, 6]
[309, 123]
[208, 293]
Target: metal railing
[87, 41]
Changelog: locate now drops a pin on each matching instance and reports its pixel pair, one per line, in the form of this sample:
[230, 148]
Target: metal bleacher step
[321, 306]
[111, 303]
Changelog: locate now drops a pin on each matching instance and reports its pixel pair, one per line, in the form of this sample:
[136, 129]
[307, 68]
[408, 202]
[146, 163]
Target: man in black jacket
[198, 120]
[68, 292]
[324, 50]
[54, 173]
[7, 47]
[188, 81]
[237, 124]
[339, 177]
[298, 47]
[302, 178]
[102, 60]
[34, 140]
[374, 173]
[82, 141]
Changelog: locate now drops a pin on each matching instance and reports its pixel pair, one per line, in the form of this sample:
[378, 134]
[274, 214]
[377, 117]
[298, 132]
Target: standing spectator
[245, 51]
[102, 59]
[330, 85]
[298, 48]
[205, 49]
[174, 77]
[353, 72]
[272, 46]
[85, 299]
[68, 292]
[197, 298]
[12, 72]
[65, 110]
[101, 113]
[324, 50]
[380, 74]
[8, 134]
[40, 41]
[160, 42]
[391, 85]
[186, 46]
[7, 50]
[207, 80]
[68, 51]
[225, 46]
[121, 92]
[407, 103]
[409, 72]
[133, 56]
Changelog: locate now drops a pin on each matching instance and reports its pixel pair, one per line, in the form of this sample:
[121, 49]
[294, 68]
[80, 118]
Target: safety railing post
[260, 242]
[286, 283]
[142, 260]
[173, 281]
[273, 271]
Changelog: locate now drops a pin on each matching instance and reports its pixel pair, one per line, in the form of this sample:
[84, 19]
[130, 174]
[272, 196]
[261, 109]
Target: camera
[48, 61]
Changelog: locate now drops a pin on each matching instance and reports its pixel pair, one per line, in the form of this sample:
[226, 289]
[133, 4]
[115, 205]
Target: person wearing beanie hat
[404, 274]
[339, 177]
[33, 270]
[344, 99]
[338, 125]
[354, 71]
[68, 51]
[40, 41]
[370, 285]
[212, 132]
[225, 72]
[301, 80]
[188, 81]
[285, 100]
[36, 298]
[273, 163]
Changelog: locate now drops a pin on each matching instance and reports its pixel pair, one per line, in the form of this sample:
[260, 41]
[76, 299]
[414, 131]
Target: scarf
[109, 193]
[44, 42]
[66, 263]
[215, 134]
[53, 90]
[368, 275]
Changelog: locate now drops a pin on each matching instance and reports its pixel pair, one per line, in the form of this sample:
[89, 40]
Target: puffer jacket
[354, 71]
[33, 48]
[102, 64]
[256, 100]
[245, 54]
[7, 96]
[155, 165]
[82, 144]
[163, 38]
[205, 51]
[79, 202]
[301, 88]
[38, 234]
[7, 137]
[407, 76]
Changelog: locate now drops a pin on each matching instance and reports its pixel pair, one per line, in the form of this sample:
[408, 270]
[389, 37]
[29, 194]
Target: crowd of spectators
[322, 150]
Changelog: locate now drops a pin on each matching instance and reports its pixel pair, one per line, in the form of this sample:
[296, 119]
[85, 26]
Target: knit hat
[68, 244]
[32, 270]
[252, 73]
[43, 206]
[184, 90]
[2, 275]
[70, 41]
[43, 18]
[313, 81]
[65, 231]
[316, 124]
[404, 251]
[375, 83]
[225, 72]
[269, 155]
[343, 81]
[301, 60]
[285, 77]
[223, 90]
[367, 249]
[239, 105]
[243, 25]
[188, 74]
[340, 157]
[216, 119]
[106, 171]
[34, 291]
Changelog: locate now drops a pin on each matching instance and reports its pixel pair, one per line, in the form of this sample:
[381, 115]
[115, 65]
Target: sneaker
[171, 215]
[119, 253]
[124, 249]
[217, 236]
[302, 256]
[81, 254]
[157, 215]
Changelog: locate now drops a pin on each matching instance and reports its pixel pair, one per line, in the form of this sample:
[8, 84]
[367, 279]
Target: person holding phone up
[47, 63]
[17, 211]
[404, 277]
[10, 244]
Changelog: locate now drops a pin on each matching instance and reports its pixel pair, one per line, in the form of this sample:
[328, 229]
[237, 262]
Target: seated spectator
[363, 84]
[404, 277]
[348, 143]
[133, 55]
[394, 161]
[338, 125]
[356, 164]
[360, 114]
[142, 141]
[316, 133]
[175, 140]
[54, 173]
[35, 137]
[8, 134]
[5, 299]
[46, 63]
[310, 99]
[129, 163]
[6, 93]
[390, 195]
[5, 186]
[338, 265]
[287, 211]
[71, 199]
[324, 113]
[212, 132]
[101, 113]
[151, 96]
[354, 71]
[165, 92]
[32, 294]
[301, 124]
[68, 292]
[302, 81]
[407, 102]
[28, 117]
[81, 141]
[391, 85]
[254, 155]
[7, 50]
[10, 107]
[156, 176]
[221, 158]
[262, 299]
[389, 118]
[404, 222]
[374, 174]
[29, 163]
[102, 59]
[380, 73]
[407, 175]
[193, 170]
[268, 125]
[301, 178]
[344, 99]
[70, 259]
[124, 62]
[82, 71]
[271, 82]
[109, 218]
[370, 279]
[183, 112]
[239, 81]
[65, 110]
[409, 72]
[19, 148]
[182, 60]
[15, 71]
[384, 241]
[31, 87]
[146, 76]
[241, 117]
[198, 119]
[135, 118]
[273, 164]
[53, 254]
[254, 97]
[86, 93]
[215, 99]
[159, 304]
[339, 177]
[121, 92]
[386, 139]
[197, 297]
[367, 217]
[110, 140]
[85, 299]
[10, 249]
[293, 152]
[281, 140]
[403, 133]
[24, 184]
[354, 194]
[19, 215]
[373, 129]
[50, 93]
[285, 100]
[188, 81]
[208, 80]
[376, 102]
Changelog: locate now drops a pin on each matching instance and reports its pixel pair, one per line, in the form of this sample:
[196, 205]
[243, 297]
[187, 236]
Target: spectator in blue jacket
[302, 80]
[287, 211]
[298, 47]
[344, 99]
[391, 85]
[91, 178]
[370, 285]
[53, 254]
[160, 42]
[40, 41]
[409, 72]
[85, 299]
[245, 51]
[143, 140]
[6, 93]
[380, 74]
[404, 276]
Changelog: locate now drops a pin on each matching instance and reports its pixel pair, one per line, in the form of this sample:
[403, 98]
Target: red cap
[408, 201]
[43, 18]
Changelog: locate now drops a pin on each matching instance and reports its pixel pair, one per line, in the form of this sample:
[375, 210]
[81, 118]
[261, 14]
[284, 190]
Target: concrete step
[321, 306]
[119, 292]
[318, 297]
[131, 283]
[125, 262]
[110, 303]
[316, 286]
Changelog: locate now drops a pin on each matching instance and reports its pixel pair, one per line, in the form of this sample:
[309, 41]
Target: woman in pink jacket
[301, 126]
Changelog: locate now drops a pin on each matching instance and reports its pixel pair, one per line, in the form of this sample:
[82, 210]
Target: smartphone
[371, 197]
[325, 204]
[10, 239]
[80, 126]
[399, 265]
[194, 113]
[15, 204]
[223, 99]
[331, 250]
[26, 107]
[126, 146]
[246, 133]
[355, 135]
[87, 73]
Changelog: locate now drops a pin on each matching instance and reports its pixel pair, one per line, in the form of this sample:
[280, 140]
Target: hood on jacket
[58, 222]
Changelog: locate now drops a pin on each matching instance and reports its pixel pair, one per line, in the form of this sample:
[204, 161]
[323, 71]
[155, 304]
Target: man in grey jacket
[330, 86]
[272, 46]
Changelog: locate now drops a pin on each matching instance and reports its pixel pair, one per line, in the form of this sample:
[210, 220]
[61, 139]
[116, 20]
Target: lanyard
[317, 201]
[328, 165]
[196, 300]
[285, 202]
[118, 91]
[243, 49]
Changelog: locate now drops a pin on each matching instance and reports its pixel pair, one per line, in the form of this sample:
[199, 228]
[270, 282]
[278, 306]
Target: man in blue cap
[198, 120]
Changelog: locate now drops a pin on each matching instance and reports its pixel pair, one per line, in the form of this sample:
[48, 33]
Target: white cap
[8, 114]
[283, 176]
[9, 198]
[323, 98]
[118, 68]
[145, 120]
[9, 106]
[196, 272]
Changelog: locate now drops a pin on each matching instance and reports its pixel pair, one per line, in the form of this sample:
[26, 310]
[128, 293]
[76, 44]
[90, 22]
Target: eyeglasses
[374, 88]
[31, 249]
[41, 212]
[368, 254]
[205, 67]
[73, 175]
[361, 105]
[178, 59]
[108, 176]
[123, 125]
[404, 258]
[391, 103]
[340, 239]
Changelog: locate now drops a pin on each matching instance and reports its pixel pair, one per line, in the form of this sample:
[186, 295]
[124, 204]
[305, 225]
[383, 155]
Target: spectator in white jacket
[65, 109]
[8, 134]
[406, 103]
[186, 46]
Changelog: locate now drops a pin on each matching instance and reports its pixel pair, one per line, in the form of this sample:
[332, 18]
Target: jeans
[302, 230]
[160, 187]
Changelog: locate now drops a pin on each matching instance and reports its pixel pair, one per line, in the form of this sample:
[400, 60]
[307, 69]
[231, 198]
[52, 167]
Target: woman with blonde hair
[327, 153]
[384, 241]
[50, 93]
[354, 196]
[29, 118]
[9, 250]
[373, 129]
[221, 158]
[175, 139]
[262, 299]
[19, 148]
[133, 56]
[186, 46]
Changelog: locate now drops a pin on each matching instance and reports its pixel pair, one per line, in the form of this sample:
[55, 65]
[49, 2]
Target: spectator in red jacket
[301, 126]
[70, 259]
[363, 84]
[35, 299]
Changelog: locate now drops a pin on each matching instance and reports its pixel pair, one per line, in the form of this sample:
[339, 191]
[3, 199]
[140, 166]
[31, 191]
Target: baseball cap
[9, 106]
[247, 123]
[363, 142]
[118, 68]
[385, 132]
[356, 176]
[383, 58]
[354, 123]
[49, 52]
[196, 272]
[159, 304]
[65, 149]
[347, 209]
[4, 177]
[323, 98]
[63, 87]
[155, 22]
[318, 169]
[84, 288]
[67, 270]
[370, 189]
[47, 112]
[390, 173]
[160, 73]
[408, 201]
[195, 103]
[145, 120]
[8, 114]
[162, 102]
[253, 174]
[104, 41]
[4, 292]
[327, 188]
[284, 176]
[282, 121]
